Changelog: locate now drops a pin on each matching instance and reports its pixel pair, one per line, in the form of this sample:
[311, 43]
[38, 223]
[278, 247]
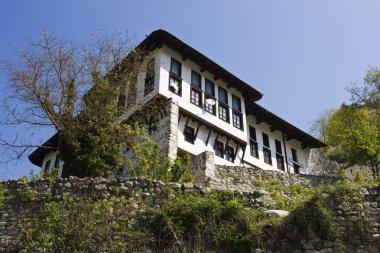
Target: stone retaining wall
[21, 204]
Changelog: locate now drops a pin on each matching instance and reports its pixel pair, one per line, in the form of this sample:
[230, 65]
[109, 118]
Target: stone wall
[167, 129]
[155, 193]
[23, 200]
[245, 178]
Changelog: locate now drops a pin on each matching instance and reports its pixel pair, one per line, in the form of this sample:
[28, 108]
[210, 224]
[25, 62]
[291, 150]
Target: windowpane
[189, 134]
[252, 133]
[218, 149]
[278, 146]
[47, 166]
[236, 103]
[294, 155]
[175, 85]
[196, 97]
[267, 156]
[175, 67]
[280, 162]
[230, 153]
[209, 88]
[57, 161]
[265, 140]
[196, 79]
[223, 113]
[254, 149]
[222, 93]
[237, 120]
[210, 107]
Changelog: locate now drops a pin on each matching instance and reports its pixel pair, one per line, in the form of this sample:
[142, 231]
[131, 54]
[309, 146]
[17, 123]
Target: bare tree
[68, 86]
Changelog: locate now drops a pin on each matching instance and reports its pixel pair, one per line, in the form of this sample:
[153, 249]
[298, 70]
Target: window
[230, 155]
[196, 89]
[279, 156]
[253, 142]
[266, 140]
[152, 124]
[218, 149]
[237, 120]
[47, 166]
[196, 79]
[280, 162]
[175, 80]
[175, 67]
[296, 165]
[209, 88]
[223, 105]
[223, 113]
[267, 156]
[57, 161]
[189, 134]
[222, 94]
[149, 78]
[236, 114]
[236, 105]
[266, 149]
[196, 97]
[278, 146]
[210, 97]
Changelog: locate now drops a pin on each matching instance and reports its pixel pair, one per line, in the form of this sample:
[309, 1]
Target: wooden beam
[179, 118]
[216, 78]
[196, 132]
[208, 136]
[187, 121]
[242, 157]
[273, 128]
[289, 137]
[258, 120]
[228, 140]
[216, 139]
[237, 147]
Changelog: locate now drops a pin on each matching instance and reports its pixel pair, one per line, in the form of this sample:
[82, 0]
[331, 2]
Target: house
[205, 108]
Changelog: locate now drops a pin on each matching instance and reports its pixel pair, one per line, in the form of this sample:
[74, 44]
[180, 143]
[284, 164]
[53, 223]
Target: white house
[207, 109]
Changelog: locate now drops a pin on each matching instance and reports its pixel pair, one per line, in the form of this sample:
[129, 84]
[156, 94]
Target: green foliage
[354, 138]
[2, 196]
[32, 175]
[205, 223]
[148, 160]
[352, 132]
[24, 194]
[317, 214]
[82, 225]
[51, 175]
[93, 149]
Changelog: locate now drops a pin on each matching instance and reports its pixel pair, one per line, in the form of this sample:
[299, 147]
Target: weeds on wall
[82, 224]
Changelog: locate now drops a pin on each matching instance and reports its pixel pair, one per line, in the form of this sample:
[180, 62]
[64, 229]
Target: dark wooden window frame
[149, 77]
[189, 134]
[177, 77]
[220, 153]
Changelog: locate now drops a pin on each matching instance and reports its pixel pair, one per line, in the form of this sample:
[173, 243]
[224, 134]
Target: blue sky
[299, 54]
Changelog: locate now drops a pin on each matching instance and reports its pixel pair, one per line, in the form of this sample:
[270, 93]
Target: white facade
[163, 58]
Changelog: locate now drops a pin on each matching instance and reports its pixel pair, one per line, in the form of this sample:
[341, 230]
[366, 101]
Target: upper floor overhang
[277, 123]
[160, 37]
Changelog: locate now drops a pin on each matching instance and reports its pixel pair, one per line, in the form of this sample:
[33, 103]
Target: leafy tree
[352, 132]
[354, 137]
